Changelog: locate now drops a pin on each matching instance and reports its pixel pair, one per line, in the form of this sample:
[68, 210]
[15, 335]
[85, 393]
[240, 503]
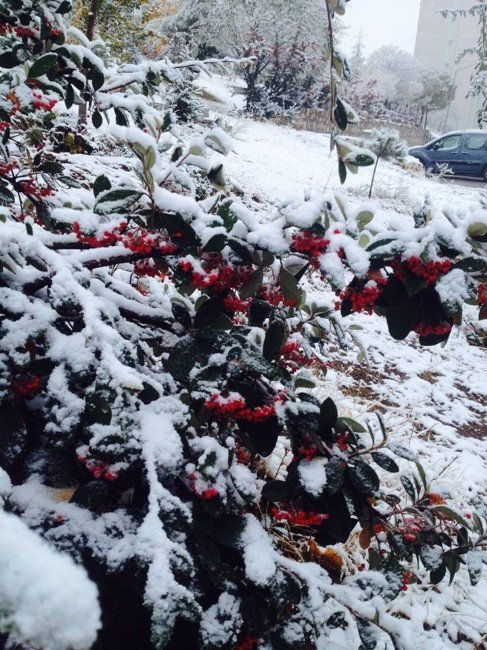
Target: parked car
[464, 152]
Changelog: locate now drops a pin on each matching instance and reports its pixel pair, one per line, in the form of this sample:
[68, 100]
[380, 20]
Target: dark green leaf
[385, 461]
[409, 487]
[275, 336]
[43, 65]
[101, 184]
[209, 312]
[251, 287]
[364, 478]
[289, 285]
[277, 491]
[342, 171]
[97, 119]
[340, 114]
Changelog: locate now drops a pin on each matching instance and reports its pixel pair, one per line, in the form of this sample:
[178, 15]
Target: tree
[437, 93]
[153, 334]
[385, 143]
[286, 42]
[478, 86]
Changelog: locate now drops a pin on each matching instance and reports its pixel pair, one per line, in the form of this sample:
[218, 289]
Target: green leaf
[342, 171]
[364, 218]
[209, 312]
[340, 114]
[356, 427]
[422, 475]
[328, 414]
[241, 255]
[51, 167]
[451, 514]
[6, 196]
[101, 184]
[97, 79]
[43, 65]
[251, 287]
[277, 491]
[364, 478]
[275, 335]
[409, 487]
[385, 461]
[438, 574]
[215, 244]
[477, 229]
[472, 264]
[69, 96]
[363, 160]
[8, 60]
[289, 285]
[120, 118]
[114, 201]
[97, 119]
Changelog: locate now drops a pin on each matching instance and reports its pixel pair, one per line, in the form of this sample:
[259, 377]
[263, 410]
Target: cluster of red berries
[216, 274]
[364, 300]
[247, 643]
[18, 30]
[293, 359]
[308, 452]
[429, 271]
[233, 304]
[406, 579]
[26, 385]
[4, 126]
[482, 294]
[41, 103]
[236, 408]
[275, 297]
[312, 245]
[98, 468]
[34, 190]
[145, 268]
[209, 494]
[137, 242]
[439, 329]
[298, 517]
[8, 167]
[223, 406]
[342, 442]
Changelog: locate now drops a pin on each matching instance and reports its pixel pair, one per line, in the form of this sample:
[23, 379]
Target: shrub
[157, 344]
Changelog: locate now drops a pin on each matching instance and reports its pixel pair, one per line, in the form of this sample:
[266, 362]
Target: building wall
[439, 42]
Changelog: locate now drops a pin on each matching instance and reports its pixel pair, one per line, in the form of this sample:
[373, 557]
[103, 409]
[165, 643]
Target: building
[439, 41]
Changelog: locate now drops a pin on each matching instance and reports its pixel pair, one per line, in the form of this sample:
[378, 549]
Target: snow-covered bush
[156, 345]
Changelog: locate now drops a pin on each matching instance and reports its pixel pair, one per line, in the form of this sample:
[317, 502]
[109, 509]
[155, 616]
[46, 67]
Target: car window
[475, 142]
[448, 143]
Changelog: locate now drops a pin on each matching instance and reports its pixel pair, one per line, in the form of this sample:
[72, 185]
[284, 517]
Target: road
[466, 182]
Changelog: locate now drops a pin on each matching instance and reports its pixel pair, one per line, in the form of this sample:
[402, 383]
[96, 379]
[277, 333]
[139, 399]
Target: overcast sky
[382, 22]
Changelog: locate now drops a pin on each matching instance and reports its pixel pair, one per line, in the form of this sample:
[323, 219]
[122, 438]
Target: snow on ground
[433, 400]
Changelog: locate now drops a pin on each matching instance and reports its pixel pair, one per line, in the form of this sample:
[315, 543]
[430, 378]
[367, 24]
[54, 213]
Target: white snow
[46, 600]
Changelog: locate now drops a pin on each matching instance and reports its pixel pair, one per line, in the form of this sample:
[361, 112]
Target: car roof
[465, 132]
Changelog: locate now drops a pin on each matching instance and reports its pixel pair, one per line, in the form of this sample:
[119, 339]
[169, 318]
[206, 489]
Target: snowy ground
[431, 396]
[434, 400]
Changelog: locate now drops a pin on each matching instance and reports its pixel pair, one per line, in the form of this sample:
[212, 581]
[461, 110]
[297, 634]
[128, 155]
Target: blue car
[464, 152]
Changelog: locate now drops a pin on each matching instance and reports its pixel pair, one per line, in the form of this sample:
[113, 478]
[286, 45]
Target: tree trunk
[373, 177]
[89, 32]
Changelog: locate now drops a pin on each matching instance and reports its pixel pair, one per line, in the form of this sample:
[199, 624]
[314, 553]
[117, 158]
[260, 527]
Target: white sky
[382, 22]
